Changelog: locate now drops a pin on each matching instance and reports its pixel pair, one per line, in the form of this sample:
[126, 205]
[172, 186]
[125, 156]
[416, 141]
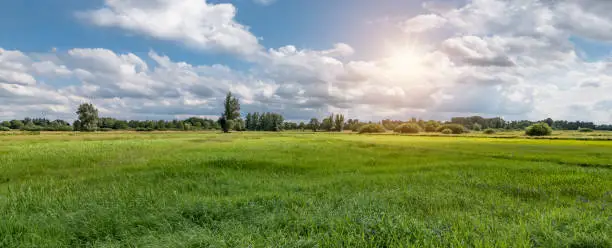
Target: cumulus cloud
[423, 23]
[195, 23]
[503, 58]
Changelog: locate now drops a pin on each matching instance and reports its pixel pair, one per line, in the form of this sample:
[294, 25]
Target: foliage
[314, 124]
[271, 122]
[476, 127]
[482, 122]
[372, 128]
[328, 123]
[231, 112]
[489, 131]
[431, 126]
[585, 130]
[231, 107]
[455, 128]
[539, 129]
[408, 128]
[339, 123]
[225, 124]
[447, 131]
[16, 124]
[239, 125]
[4, 129]
[88, 116]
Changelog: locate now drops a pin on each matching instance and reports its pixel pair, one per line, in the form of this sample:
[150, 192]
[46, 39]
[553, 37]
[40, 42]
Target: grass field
[302, 190]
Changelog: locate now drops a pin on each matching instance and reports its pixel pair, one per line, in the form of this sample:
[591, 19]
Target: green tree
[314, 124]
[431, 126]
[539, 129]
[339, 122]
[231, 112]
[76, 125]
[248, 124]
[88, 115]
[328, 123]
[16, 124]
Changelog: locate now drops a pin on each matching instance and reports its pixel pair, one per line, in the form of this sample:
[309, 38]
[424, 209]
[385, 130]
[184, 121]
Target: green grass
[302, 190]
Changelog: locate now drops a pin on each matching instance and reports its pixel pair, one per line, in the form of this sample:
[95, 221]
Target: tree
[76, 125]
[339, 122]
[539, 129]
[231, 112]
[549, 121]
[328, 123]
[301, 126]
[238, 125]
[431, 126]
[88, 116]
[314, 124]
[248, 124]
[408, 128]
[16, 124]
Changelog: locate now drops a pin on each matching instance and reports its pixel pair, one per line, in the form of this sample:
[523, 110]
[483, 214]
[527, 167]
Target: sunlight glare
[404, 61]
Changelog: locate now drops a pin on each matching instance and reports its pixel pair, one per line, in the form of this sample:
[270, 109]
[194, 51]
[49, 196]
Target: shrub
[372, 128]
[431, 126]
[455, 128]
[447, 131]
[539, 129]
[105, 129]
[4, 129]
[489, 131]
[408, 128]
[476, 127]
[32, 128]
[585, 130]
[144, 129]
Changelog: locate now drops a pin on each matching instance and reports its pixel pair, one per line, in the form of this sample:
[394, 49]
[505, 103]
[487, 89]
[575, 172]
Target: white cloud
[423, 23]
[195, 23]
[491, 57]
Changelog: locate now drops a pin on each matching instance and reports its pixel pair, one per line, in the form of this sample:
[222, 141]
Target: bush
[408, 128]
[431, 126]
[476, 127]
[447, 131]
[4, 129]
[144, 129]
[539, 129]
[105, 129]
[585, 130]
[455, 128]
[372, 128]
[489, 131]
[32, 128]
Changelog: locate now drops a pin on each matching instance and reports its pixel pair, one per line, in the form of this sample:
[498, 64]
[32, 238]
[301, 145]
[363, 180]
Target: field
[302, 190]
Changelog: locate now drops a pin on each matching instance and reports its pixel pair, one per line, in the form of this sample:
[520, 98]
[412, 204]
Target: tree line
[231, 120]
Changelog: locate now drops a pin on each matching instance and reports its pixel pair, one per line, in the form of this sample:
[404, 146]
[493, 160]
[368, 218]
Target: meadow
[199, 189]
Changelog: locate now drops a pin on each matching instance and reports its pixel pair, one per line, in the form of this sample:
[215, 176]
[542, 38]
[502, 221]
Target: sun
[405, 60]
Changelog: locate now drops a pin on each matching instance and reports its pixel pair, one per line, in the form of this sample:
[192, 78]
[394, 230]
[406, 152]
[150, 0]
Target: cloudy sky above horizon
[166, 59]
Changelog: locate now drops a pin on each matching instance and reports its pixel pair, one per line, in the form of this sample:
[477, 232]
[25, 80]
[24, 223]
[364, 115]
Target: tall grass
[302, 190]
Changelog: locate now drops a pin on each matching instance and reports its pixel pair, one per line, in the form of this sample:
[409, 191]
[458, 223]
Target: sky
[370, 60]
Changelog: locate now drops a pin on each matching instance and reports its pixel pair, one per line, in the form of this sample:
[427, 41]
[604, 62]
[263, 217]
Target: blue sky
[521, 59]
[44, 24]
